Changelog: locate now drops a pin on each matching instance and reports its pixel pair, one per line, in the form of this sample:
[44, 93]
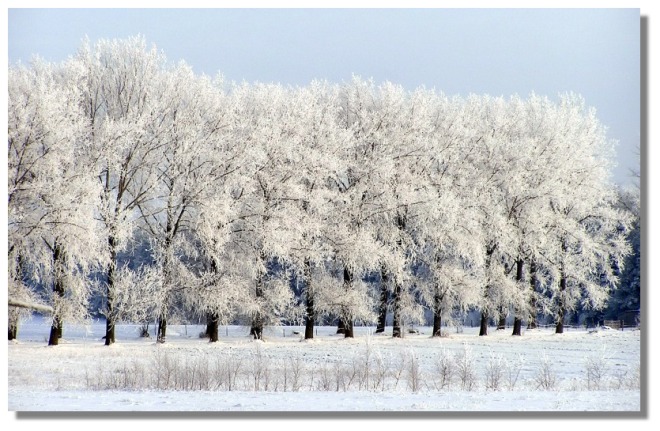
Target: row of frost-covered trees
[259, 203]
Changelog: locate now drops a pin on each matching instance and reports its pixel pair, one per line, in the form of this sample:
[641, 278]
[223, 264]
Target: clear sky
[593, 52]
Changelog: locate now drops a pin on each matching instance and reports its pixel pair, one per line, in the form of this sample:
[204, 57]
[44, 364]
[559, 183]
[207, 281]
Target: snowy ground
[539, 372]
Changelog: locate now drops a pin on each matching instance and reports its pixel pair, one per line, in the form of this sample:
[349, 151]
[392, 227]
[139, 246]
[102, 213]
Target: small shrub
[512, 371]
[465, 368]
[444, 370]
[494, 372]
[545, 377]
[413, 372]
[595, 368]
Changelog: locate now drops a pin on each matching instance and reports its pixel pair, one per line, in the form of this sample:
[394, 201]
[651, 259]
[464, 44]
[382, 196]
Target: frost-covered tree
[488, 157]
[193, 155]
[588, 229]
[52, 195]
[446, 241]
[123, 113]
[264, 228]
[312, 145]
[627, 296]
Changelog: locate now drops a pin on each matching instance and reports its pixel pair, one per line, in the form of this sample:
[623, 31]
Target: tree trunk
[561, 311]
[517, 326]
[559, 328]
[533, 324]
[396, 295]
[348, 321]
[162, 329]
[58, 289]
[110, 293]
[437, 315]
[55, 331]
[483, 327]
[384, 297]
[517, 321]
[13, 328]
[341, 326]
[501, 322]
[257, 328]
[309, 318]
[213, 318]
[396, 318]
[310, 314]
[13, 318]
[348, 331]
[212, 326]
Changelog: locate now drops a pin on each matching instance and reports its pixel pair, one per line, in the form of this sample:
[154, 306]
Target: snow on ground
[584, 371]
[41, 400]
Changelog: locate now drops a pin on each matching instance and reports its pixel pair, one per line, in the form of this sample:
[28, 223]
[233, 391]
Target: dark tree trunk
[437, 315]
[437, 325]
[517, 321]
[13, 318]
[55, 331]
[212, 326]
[561, 311]
[517, 326]
[162, 329]
[309, 319]
[341, 326]
[13, 328]
[501, 322]
[396, 294]
[348, 322]
[310, 314]
[213, 318]
[110, 293]
[533, 324]
[396, 318]
[257, 329]
[58, 289]
[384, 297]
[348, 330]
[483, 327]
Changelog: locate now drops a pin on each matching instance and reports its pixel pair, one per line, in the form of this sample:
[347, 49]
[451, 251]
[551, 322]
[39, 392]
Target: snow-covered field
[540, 371]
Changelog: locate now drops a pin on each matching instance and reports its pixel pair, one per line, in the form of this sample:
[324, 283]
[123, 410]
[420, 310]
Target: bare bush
[494, 371]
[259, 371]
[443, 370]
[465, 368]
[595, 368]
[227, 370]
[324, 380]
[413, 372]
[380, 372]
[512, 371]
[545, 376]
[398, 366]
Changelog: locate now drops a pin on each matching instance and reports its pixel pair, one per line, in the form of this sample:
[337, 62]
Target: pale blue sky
[594, 52]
